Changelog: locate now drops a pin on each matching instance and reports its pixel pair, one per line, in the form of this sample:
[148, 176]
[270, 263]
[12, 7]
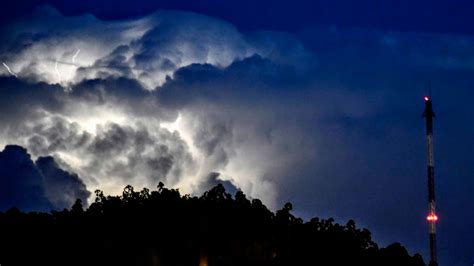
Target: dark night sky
[422, 15]
[329, 91]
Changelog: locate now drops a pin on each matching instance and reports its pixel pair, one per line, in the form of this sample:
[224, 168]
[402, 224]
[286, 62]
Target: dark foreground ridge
[165, 228]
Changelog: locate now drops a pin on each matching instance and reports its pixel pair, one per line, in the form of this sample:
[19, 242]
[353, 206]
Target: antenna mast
[432, 218]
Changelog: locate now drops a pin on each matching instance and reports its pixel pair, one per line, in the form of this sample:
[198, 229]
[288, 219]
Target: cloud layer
[67, 50]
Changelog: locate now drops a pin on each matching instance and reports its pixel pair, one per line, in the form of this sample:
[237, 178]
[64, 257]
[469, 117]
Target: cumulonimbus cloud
[115, 76]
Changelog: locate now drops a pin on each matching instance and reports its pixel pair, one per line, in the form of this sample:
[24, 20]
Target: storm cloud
[39, 185]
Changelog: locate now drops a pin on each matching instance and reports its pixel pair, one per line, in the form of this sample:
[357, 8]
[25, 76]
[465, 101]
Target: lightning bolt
[75, 55]
[9, 70]
[57, 70]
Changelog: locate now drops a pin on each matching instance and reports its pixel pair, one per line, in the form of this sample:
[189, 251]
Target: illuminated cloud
[107, 68]
[147, 49]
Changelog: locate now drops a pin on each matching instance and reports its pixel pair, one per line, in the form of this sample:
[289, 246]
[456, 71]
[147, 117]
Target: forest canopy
[163, 227]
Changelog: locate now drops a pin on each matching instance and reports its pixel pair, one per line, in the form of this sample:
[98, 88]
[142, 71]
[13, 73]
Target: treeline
[165, 228]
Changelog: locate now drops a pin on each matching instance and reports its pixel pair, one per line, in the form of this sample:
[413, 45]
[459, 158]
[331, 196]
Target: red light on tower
[432, 217]
[427, 98]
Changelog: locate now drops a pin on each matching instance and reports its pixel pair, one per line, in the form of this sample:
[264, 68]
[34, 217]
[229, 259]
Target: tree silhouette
[163, 227]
